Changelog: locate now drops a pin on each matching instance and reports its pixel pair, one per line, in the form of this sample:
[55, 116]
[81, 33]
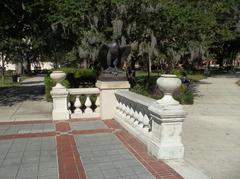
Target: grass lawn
[7, 82]
[195, 77]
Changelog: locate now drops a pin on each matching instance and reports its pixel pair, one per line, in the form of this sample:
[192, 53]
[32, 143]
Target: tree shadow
[13, 95]
[32, 83]
[195, 87]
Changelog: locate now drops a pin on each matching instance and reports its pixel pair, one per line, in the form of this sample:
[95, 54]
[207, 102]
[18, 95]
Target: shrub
[80, 77]
[148, 87]
[179, 72]
[75, 77]
[184, 95]
[139, 89]
[49, 83]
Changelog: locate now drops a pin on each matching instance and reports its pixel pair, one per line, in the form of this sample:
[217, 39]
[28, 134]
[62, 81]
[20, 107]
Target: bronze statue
[112, 57]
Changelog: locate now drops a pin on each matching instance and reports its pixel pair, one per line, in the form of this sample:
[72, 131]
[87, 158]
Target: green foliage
[72, 30]
[184, 95]
[147, 87]
[49, 83]
[80, 77]
[179, 72]
[75, 77]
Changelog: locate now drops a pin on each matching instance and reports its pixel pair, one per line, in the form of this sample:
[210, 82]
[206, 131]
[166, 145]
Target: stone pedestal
[60, 104]
[59, 95]
[167, 118]
[108, 100]
[166, 142]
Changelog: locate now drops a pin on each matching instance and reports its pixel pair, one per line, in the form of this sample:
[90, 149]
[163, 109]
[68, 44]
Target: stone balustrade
[132, 113]
[157, 123]
[89, 107]
[74, 102]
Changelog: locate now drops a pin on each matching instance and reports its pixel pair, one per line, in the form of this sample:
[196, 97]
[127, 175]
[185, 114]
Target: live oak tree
[70, 32]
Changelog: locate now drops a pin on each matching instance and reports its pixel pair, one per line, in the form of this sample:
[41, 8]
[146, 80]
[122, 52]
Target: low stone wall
[157, 123]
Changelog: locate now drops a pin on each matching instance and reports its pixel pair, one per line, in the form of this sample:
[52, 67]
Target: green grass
[7, 82]
[195, 77]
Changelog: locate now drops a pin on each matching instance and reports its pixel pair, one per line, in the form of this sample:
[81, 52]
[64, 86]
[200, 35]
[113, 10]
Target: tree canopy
[159, 31]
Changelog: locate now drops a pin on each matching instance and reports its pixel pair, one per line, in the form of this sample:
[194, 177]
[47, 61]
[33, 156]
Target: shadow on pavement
[14, 95]
[31, 82]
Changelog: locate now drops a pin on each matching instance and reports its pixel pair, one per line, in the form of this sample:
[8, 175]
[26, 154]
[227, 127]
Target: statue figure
[112, 57]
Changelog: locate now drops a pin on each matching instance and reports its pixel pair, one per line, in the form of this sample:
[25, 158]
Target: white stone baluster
[128, 114]
[124, 112]
[97, 103]
[131, 120]
[140, 119]
[136, 122]
[120, 109]
[69, 106]
[146, 123]
[77, 104]
[88, 105]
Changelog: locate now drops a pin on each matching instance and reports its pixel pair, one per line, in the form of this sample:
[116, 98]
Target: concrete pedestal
[108, 100]
[60, 109]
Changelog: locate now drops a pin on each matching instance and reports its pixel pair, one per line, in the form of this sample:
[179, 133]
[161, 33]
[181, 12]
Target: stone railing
[88, 108]
[132, 113]
[157, 123]
[74, 102]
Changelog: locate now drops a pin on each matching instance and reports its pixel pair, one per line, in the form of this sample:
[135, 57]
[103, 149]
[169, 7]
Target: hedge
[75, 78]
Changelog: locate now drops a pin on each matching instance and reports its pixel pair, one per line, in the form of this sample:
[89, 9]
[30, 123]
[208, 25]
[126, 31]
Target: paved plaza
[66, 150]
[211, 130]
[32, 146]
[25, 102]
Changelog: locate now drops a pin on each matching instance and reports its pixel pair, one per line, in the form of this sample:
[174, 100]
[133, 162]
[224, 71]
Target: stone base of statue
[112, 74]
[108, 100]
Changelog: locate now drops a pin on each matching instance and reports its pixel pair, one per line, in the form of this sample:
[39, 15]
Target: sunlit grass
[7, 82]
[195, 77]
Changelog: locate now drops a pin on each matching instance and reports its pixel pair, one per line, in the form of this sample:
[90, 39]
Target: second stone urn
[58, 77]
[168, 84]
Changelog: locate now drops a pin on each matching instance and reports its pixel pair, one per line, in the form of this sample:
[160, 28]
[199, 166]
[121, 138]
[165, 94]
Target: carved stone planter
[168, 84]
[59, 94]
[58, 77]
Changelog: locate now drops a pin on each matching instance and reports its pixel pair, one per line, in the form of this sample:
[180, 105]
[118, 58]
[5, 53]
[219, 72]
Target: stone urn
[58, 77]
[168, 84]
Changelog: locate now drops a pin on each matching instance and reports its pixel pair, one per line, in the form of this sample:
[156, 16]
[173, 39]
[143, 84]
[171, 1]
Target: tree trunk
[28, 70]
[131, 72]
[3, 70]
[149, 65]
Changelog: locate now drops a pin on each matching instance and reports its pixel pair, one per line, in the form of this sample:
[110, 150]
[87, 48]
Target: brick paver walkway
[75, 150]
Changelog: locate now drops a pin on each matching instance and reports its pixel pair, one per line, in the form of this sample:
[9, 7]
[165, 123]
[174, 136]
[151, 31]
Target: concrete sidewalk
[211, 131]
[25, 102]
